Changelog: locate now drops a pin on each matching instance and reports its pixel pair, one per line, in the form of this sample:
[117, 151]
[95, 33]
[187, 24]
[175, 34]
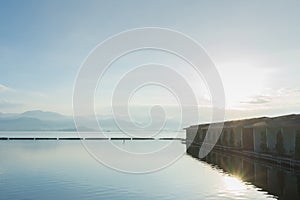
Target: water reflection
[64, 170]
[275, 180]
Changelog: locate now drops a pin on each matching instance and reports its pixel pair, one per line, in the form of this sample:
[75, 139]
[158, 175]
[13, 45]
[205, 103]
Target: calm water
[283, 183]
[64, 170]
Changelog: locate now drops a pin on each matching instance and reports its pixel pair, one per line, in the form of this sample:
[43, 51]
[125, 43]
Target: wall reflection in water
[277, 181]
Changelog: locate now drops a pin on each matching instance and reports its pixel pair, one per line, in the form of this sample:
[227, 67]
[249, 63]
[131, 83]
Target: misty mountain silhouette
[37, 120]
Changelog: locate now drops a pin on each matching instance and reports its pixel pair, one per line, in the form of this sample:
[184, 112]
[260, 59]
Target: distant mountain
[8, 115]
[43, 115]
[37, 120]
[32, 124]
[20, 124]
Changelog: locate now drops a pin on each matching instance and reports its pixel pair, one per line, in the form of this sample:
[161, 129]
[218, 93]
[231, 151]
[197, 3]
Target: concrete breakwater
[274, 139]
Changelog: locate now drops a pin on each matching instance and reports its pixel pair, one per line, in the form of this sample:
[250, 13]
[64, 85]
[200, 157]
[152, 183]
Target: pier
[89, 138]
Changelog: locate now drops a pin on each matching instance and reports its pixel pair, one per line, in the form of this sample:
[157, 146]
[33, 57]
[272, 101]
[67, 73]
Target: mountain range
[37, 120]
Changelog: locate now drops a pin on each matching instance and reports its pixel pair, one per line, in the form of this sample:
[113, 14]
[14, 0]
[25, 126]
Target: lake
[65, 170]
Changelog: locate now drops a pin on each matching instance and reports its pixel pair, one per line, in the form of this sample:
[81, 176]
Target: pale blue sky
[255, 45]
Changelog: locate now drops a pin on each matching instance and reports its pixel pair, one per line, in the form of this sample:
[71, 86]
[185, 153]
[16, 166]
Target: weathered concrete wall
[248, 139]
[288, 135]
[238, 137]
[258, 139]
[211, 135]
[201, 134]
[224, 138]
[191, 133]
[289, 140]
[275, 136]
[271, 139]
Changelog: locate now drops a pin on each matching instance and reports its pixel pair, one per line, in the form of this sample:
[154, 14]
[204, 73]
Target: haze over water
[125, 69]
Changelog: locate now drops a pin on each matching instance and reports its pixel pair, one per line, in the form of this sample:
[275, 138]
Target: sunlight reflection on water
[63, 170]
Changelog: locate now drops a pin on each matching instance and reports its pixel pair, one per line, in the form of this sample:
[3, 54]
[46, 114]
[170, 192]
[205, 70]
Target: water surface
[64, 170]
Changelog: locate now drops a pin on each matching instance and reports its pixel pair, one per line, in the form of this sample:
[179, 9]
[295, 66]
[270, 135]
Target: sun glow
[242, 81]
[234, 185]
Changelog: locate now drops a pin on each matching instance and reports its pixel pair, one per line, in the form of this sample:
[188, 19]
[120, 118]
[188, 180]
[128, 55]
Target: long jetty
[90, 138]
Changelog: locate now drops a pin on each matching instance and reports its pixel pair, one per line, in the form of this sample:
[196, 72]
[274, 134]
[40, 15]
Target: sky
[254, 44]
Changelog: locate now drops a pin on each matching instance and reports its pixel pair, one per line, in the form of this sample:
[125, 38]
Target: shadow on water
[277, 181]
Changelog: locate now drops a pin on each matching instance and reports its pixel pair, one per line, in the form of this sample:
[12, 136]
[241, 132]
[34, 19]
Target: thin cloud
[272, 95]
[258, 100]
[4, 104]
[287, 92]
[3, 88]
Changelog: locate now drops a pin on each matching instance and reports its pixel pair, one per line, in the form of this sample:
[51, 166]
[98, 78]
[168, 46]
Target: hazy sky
[254, 44]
